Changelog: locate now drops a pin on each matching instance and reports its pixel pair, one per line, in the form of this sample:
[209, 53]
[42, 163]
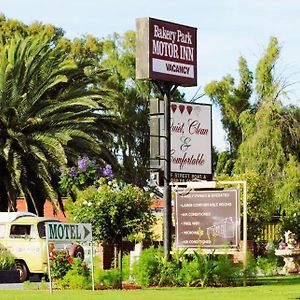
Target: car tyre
[23, 271]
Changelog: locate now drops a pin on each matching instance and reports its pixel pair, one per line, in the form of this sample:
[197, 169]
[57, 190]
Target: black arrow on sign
[86, 232]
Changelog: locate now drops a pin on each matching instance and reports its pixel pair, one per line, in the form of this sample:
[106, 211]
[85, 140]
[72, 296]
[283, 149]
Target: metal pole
[93, 274]
[48, 260]
[245, 227]
[167, 175]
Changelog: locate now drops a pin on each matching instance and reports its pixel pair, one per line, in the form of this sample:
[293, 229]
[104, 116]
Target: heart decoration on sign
[189, 109]
[181, 108]
[174, 107]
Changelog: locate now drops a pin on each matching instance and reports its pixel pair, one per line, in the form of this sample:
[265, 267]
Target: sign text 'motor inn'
[166, 51]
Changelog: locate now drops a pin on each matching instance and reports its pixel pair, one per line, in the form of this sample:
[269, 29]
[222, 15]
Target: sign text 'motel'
[166, 51]
[69, 231]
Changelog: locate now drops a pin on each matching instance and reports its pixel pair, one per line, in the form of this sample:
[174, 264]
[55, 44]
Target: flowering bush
[86, 173]
[69, 272]
[60, 264]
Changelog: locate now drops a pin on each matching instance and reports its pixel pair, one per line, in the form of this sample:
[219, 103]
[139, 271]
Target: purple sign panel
[208, 219]
[166, 51]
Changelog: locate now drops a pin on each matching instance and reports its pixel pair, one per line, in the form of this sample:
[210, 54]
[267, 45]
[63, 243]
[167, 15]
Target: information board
[208, 219]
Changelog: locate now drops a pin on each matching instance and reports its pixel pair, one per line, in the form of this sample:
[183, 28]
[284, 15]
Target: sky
[226, 30]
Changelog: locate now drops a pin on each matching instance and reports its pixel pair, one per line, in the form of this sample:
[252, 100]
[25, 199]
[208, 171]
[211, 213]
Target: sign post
[166, 54]
[67, 233]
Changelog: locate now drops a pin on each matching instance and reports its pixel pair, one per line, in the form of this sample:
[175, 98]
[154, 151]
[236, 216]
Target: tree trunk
[35, 204]
[118, 259]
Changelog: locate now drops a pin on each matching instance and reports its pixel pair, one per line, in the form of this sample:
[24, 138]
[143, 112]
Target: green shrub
[189, 272]
[174, 274]
[249, 273]
[204, 265]
[7, 261]
[268, 265]
[265, 266]
[197, 269]
[225, 273]
[74, 281]
[126, 267]
[146, 270]
[76, 277]
[109, 278]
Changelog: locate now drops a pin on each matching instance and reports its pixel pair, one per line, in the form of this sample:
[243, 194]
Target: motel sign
[69, 232]
[166, 51]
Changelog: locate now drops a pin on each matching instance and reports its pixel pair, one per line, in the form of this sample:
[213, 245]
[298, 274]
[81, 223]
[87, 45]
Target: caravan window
[19, 231]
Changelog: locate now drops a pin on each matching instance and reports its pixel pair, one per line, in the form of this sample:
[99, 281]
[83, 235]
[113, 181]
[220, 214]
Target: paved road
[18, 286]
[11, 286]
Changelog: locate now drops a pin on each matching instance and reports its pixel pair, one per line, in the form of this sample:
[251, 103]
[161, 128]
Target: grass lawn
[269, 288]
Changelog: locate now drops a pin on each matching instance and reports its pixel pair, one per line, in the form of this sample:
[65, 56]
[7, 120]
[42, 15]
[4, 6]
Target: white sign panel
[191, 138]
[79, 232]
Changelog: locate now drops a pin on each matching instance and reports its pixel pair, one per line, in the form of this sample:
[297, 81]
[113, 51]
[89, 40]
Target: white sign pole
[93, 277]
[48, 259]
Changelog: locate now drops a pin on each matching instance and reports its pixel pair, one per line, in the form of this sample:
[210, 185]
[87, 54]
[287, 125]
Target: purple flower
[72, 172]
[83, 163]
[107, 171]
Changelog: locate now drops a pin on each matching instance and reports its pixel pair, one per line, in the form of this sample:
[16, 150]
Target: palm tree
[50, 112]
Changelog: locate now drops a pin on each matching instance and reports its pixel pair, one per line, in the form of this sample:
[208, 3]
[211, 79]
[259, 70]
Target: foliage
[60, 264]
[225, 164]
[225, 272]
[232, 100]
[268, 158]
[264, 138]
[267, 266]
[12, 28]
[126, 274]
[69, 272]
[259, 202]
[264, 145]
[86, 173]
[109, 278]
[115, 210]
[74, 280]
[197, 269]
[202, 268]
[131, 106]
[7, 261]
[146, 269]
[49, 106]
[250, 270]
[287, 195]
